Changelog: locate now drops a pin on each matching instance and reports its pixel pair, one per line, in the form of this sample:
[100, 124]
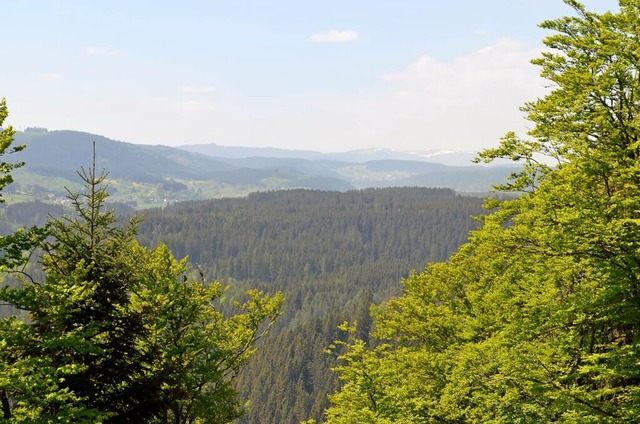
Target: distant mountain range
[144, 175]
[445, 157]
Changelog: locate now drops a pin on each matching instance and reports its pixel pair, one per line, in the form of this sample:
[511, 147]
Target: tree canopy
[537, 318]
[6, 140]
[331, 254]
[117, 332]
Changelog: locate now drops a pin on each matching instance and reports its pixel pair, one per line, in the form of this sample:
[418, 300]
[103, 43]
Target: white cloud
[497, 72]
[52, 76]
[197, 89]
[467, 103]
[100, 51]
[334, 36]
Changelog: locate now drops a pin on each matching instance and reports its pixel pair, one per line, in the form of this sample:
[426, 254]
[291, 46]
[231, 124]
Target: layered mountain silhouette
[210, 170]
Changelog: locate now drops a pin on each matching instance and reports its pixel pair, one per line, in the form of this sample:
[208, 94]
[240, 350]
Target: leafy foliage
[537, 318]
[6, 140]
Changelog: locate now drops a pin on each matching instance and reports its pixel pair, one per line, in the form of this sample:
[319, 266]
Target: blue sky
[320, 75]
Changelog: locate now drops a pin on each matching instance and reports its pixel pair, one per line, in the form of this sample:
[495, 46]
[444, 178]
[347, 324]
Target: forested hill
[144, 176]
[331, 253]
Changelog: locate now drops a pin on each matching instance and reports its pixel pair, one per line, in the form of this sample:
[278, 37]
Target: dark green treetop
[120, 333]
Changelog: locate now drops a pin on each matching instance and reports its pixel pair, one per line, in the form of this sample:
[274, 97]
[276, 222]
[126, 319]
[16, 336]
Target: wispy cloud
[476, 78]
[334, 36]
[52, 76]
[197, 89]
[100, 51]
[463, 103]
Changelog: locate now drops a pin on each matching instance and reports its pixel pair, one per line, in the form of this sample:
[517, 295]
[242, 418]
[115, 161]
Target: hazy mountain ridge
[445, 157]
[145, 175]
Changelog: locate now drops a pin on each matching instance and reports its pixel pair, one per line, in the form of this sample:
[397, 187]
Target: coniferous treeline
[331, 254]
[292, 234]
[26, 215]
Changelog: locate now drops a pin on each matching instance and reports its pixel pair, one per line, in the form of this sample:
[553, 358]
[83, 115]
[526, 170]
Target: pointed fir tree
[120, 333]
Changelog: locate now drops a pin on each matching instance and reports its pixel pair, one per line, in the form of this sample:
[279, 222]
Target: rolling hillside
[145, 176]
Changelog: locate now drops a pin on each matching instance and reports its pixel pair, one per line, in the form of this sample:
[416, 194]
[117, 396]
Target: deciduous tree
[537, 318]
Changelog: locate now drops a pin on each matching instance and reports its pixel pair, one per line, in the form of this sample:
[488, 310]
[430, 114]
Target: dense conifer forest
[529, 313]
[331, 254]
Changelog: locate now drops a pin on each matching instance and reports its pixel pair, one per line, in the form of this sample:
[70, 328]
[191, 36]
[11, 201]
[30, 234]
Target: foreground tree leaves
[6, 140]
[119, 333]
[537, 318]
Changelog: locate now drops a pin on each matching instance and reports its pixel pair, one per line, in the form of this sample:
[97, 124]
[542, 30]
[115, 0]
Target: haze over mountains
[143, 174]
[445, 157]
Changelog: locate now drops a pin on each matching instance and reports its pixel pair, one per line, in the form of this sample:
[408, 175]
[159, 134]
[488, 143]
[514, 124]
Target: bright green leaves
[537, 318]
[6, 139]
[17, 247]
[377, 388]
[192, 352]
[530, 153]
[594, 66]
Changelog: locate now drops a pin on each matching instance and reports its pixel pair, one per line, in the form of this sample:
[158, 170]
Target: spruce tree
[120, 333]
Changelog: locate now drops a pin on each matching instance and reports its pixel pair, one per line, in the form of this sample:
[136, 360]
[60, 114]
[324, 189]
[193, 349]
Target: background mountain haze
[149, 176]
